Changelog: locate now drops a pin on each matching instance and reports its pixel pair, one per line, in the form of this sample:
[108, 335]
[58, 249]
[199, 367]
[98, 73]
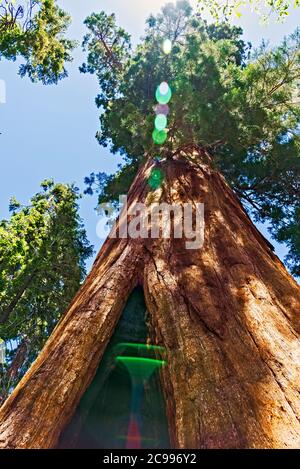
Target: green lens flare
[159, 136]
[156, 178]
[142, 361]
[141, 346]
[163, 98]
[141, 368]
[160, 122]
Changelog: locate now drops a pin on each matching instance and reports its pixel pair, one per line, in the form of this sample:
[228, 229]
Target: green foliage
[35, 30]
[110, 187]
[243, 107]
[108, 48]
[43, 248]
[220, 9]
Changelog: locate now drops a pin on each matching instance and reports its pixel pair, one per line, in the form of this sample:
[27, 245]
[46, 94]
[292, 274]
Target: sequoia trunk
[227, 315]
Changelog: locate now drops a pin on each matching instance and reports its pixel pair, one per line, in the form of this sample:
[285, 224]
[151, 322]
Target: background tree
[264, 8]
[35, 30]
[43, 249]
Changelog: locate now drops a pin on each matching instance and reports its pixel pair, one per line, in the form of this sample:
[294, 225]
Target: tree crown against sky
[35, 31]
[264, 8]
[43, 249]
[240, 104]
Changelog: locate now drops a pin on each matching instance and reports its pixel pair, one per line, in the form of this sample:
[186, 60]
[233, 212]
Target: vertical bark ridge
[238, 326]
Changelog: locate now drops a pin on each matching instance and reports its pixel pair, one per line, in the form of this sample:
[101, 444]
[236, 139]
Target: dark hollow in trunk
[102, 417]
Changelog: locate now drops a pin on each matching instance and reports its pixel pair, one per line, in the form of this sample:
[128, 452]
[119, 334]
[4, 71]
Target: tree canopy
[43, 249]
[35, 31]
[241, 105]
[264, 8]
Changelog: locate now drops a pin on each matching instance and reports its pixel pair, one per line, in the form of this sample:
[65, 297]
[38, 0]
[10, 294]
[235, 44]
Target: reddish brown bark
[227, 315]
[14, 368]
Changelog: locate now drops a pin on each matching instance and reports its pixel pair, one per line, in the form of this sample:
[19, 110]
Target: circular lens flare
[160, 122]
[164, 88]
[162, 109]
[167, 46]
[159, 136]
[163, 98]
[156, 178]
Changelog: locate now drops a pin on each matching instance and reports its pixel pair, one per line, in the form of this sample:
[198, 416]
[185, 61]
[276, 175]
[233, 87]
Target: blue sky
[50, 131]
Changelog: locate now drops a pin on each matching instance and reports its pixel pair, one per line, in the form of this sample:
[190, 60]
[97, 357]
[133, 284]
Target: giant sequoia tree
[226, 315]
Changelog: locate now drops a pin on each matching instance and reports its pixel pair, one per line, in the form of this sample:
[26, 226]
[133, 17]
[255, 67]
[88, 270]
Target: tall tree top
[243, 106]
[264, 8]
[43, 249]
